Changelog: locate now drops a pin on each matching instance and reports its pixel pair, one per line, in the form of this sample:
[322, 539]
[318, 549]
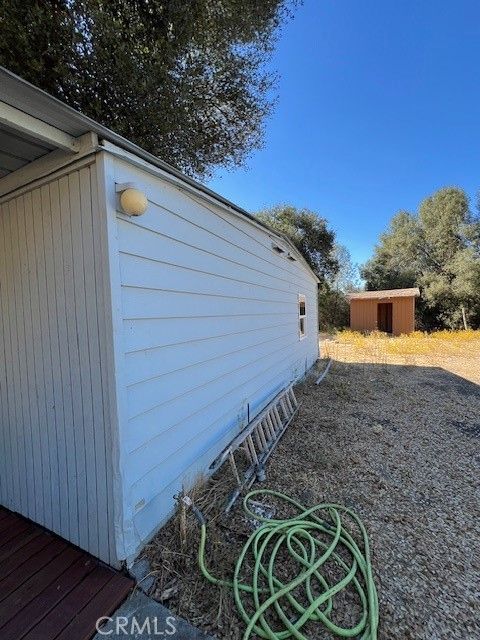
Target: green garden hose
[310, 541]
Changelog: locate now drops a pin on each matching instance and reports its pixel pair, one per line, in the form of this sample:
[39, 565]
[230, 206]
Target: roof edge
[193, 186]
[385, 293]
[105, 133]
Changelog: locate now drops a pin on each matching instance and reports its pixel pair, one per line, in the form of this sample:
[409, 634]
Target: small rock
[167, 594]
[141, 572]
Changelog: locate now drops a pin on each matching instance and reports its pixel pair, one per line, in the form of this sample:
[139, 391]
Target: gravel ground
[400, 445]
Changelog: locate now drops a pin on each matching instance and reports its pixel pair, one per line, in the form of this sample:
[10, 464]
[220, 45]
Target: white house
[132, 348]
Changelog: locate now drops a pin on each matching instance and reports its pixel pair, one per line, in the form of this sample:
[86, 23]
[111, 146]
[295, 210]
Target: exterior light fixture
[133, 202]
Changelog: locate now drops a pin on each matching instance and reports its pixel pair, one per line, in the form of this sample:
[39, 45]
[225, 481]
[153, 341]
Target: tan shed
[391, 311]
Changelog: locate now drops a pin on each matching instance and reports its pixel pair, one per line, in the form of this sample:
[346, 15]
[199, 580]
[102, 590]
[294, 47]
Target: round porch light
[133, 202]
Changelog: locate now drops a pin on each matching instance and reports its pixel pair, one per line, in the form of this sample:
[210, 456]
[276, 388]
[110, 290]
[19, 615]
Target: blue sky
[379, 106]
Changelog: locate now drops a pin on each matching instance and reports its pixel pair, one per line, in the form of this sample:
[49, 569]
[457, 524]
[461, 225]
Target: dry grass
[396, 442]
[455, 351]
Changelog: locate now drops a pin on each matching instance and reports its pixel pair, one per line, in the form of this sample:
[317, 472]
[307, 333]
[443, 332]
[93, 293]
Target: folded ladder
[257, 441]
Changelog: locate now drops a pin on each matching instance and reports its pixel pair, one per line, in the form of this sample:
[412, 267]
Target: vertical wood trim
[85, 484]
[20, 355]
[49, 329]
[5, 377]
[61, 266]
[113, 345]
[56, 315]
[15, 416]
[102, 289]
[55, 431]
[43, 373]
[94, 406]
[35, 378]
[74, 439]
[49, 439]
[26, 348]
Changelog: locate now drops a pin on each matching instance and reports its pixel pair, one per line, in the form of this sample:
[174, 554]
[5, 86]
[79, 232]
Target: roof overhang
[23, 124]
[386, 294]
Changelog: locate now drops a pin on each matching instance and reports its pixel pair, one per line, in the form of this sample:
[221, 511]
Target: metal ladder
[258, 440]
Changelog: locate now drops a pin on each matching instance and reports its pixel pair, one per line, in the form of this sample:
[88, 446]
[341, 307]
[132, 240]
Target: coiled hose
[300, 537]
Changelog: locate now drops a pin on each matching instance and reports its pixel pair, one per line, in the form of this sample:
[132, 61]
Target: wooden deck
[50, 589]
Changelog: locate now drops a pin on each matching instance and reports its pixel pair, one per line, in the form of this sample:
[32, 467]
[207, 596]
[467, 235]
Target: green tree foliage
[309, 233]
[388, 265]
[184, 79]
[437, 249]
[334, 307]
[331, 262]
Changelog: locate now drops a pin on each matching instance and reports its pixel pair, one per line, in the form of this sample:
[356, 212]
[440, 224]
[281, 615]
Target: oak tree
[185, 79]
[437, 249]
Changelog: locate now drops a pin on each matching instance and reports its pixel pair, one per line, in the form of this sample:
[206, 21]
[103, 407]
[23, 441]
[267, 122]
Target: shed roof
[62, 125]
[386, 293]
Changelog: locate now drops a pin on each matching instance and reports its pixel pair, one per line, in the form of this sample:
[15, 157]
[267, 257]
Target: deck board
[50, 589]
[28, 617]
[59, 617]
[7, 522]
[23, 554]
[14, 530]
[13, 586]
[107, 600]
[10, 547]
[13, 544]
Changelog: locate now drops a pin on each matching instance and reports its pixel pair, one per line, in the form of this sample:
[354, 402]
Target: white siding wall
[208, 335]
[54, 442]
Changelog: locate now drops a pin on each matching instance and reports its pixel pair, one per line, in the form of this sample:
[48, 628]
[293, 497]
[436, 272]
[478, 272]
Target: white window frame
[302, 318]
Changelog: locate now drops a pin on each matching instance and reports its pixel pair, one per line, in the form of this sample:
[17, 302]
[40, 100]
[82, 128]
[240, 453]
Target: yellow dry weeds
[455, 351]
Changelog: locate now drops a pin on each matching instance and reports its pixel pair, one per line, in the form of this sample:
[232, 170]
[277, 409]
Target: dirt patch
[395, 442]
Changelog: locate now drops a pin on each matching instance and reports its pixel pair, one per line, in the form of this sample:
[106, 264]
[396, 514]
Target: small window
[302, 316]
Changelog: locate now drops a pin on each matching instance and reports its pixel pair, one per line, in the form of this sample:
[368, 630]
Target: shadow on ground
[399, 444]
